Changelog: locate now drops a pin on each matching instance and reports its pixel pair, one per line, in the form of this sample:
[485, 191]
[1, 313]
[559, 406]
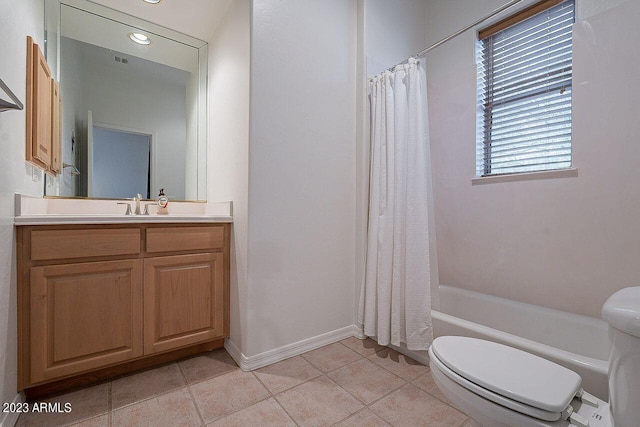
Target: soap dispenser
[163, 202]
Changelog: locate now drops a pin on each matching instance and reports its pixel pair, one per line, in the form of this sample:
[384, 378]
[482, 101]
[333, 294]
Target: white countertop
[57, 219]
[30, 210]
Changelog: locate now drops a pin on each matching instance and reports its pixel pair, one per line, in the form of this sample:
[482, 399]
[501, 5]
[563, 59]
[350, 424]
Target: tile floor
[348, 383]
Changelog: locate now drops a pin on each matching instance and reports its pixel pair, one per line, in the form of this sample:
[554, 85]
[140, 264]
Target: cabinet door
[183, 300]
[42, 117]
[84, 316]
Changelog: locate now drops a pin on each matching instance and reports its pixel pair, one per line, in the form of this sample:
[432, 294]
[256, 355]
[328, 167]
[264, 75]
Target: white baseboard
[277, 354]
[9, 419]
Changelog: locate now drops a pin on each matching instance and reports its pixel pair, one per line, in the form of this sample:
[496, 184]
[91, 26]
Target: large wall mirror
[133, 105]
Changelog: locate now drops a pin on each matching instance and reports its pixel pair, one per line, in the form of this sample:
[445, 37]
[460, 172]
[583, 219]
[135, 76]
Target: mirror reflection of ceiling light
[139, 38]
[153, 1]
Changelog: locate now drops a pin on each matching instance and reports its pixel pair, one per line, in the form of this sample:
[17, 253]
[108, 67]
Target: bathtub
[579, 343]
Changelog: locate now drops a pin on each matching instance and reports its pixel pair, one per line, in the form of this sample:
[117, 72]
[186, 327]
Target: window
[524, 91]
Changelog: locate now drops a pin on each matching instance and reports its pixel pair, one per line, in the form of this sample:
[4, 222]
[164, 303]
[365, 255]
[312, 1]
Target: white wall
[562, 243]
[301, 246]
[17, 20]
[394, 31]
[228, 154]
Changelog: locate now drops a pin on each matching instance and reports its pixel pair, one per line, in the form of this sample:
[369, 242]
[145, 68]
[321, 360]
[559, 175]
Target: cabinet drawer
[168, 239]
[61, 244]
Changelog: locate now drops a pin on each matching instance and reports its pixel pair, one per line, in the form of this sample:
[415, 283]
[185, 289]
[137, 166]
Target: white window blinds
[524, 95]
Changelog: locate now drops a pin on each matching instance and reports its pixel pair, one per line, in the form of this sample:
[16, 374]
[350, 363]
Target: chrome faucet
[137, 200]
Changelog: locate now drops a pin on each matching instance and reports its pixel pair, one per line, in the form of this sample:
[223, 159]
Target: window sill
[526, 176]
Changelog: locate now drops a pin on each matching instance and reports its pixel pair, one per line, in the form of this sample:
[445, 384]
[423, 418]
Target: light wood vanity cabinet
[97, 301]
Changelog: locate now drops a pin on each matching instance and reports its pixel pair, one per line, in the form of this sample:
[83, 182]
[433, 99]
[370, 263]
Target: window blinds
[524, 95]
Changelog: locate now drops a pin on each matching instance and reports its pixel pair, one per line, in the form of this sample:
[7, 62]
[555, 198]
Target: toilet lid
[509, 372]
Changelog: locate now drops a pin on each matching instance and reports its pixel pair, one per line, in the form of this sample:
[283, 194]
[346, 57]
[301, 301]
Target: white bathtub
[579, 343]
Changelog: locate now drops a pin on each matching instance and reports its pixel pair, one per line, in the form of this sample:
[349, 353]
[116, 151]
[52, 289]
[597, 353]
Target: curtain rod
[457, 33]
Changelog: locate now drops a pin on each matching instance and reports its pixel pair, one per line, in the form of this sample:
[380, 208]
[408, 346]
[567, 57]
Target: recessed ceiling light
[153, 1]
[140, 38]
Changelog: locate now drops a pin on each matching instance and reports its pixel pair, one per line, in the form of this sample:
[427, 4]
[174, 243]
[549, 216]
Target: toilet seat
[506, 376]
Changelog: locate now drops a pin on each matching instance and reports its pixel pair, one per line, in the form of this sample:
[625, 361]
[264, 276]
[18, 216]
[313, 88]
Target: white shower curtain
[395, 300]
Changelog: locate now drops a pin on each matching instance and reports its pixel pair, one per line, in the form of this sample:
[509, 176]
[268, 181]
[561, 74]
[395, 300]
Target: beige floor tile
[208, 365]
[366, 381]
[366, 347]
[101, 421]
[267, 413]
[146, 384]
[318, 402]
[227, 393]
[168, 410]
[363, 418]
[399, 364]
[425, 382]
[332, 356]
[286, 374]
[412, 407]
[85, 403]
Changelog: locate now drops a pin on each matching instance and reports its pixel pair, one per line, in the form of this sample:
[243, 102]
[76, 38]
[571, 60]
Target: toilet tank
[622, 312]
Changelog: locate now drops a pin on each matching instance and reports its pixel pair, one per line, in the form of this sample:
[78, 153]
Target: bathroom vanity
[98, 300]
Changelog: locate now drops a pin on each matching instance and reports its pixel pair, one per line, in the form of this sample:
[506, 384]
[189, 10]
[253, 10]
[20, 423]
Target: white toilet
[497, 385]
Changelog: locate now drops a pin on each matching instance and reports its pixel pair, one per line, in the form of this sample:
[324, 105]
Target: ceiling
[196, 18]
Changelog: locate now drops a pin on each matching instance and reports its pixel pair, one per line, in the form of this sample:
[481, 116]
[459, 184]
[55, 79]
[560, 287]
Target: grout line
[232, 412]
[60, 396]
[263, 384]
[273, 395]
[407, 380]
[234, 369]
[365, 355]
[162, 393]
[346, 391]
[366, 408]
[433, 395]
[285, 410]
[184, 377]
[349, 416]
[110, 405]
[348, 363]
[326, 374]
[110, 401]
[301, 382]
[239, 410]
[388, 393]
[364, 405]
[195, 404]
